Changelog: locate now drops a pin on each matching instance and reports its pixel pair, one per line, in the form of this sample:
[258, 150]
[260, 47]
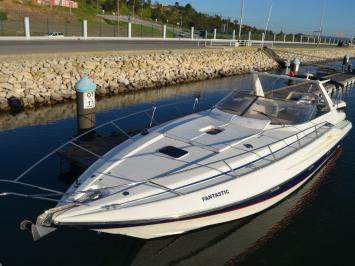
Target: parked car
[182, 35]
[55, 34]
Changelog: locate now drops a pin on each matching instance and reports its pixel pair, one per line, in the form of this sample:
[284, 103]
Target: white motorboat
[251, 150]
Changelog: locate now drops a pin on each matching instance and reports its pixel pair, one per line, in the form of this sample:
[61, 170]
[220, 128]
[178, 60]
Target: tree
[3, 16]
[174, 14]
[188, 8]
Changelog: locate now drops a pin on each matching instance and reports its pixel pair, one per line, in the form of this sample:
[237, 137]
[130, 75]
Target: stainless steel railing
[75, 142]
[151, 181]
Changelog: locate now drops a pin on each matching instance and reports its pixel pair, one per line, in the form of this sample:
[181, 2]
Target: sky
[290, 16]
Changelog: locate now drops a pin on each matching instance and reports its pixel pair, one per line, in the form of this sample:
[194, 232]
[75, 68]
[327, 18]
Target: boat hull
[280, 179]
[238, 211]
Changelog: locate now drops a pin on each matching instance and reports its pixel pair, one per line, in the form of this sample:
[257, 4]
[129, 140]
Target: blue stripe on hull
[251, 201]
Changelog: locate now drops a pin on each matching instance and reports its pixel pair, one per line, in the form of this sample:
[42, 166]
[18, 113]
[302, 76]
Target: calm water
[313, 226]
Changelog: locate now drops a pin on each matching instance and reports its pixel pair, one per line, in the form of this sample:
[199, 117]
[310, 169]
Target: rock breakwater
[47, 81]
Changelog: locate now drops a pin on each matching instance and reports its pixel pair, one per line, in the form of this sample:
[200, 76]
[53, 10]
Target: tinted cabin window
[173, 151]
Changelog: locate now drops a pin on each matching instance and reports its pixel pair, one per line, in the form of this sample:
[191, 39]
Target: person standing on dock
[346, 62]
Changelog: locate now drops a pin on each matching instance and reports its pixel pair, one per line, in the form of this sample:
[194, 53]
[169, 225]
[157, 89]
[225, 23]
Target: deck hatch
[214, 131]
[173, 151]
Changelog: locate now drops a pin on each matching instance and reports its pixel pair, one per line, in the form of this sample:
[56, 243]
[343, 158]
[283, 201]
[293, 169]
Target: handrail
[167, 189]
[150, 180]
[265, 146]
[71, 141]
[132, 184]
[128, 185]
[222, 173]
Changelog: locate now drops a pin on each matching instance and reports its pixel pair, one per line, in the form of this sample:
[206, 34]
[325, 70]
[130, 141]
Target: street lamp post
[268, 20]
[142, 11]
[241, 20]
[321, 23]
[118, 18]
[134, 3]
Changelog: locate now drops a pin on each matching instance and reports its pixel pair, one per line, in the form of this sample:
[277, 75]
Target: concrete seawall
[47, 80]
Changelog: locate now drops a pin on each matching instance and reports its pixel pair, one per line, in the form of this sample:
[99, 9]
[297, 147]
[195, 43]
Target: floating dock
[85, 153]
[341, 79]
[336, 76]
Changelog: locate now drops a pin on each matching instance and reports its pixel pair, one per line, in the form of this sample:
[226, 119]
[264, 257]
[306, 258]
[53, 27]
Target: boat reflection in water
[230, 243]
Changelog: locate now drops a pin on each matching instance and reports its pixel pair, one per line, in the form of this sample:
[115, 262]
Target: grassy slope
[40, 15]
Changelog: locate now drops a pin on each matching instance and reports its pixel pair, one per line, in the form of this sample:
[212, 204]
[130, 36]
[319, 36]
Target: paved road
[68, 46]
[60, 46]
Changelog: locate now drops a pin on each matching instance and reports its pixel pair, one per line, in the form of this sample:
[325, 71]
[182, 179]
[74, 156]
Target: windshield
[237, 103]
[280, 112]
[281, 102]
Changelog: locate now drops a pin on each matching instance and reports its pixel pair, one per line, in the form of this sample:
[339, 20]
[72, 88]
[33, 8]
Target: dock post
[287, 64]
[85, 104]
[301, 39]
[293, 38]
[26, 22]
[85, 29]
[233, 35]
[308, 39]
[274, 37]
[284, 37]
[295, 65]
[192, 33]
[214, 34]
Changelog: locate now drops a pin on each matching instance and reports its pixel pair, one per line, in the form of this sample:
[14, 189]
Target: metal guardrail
[199, 41]
[140, 30]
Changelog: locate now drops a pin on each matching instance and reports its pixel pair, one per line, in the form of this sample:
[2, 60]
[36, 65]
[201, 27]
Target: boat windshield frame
[296, 108]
